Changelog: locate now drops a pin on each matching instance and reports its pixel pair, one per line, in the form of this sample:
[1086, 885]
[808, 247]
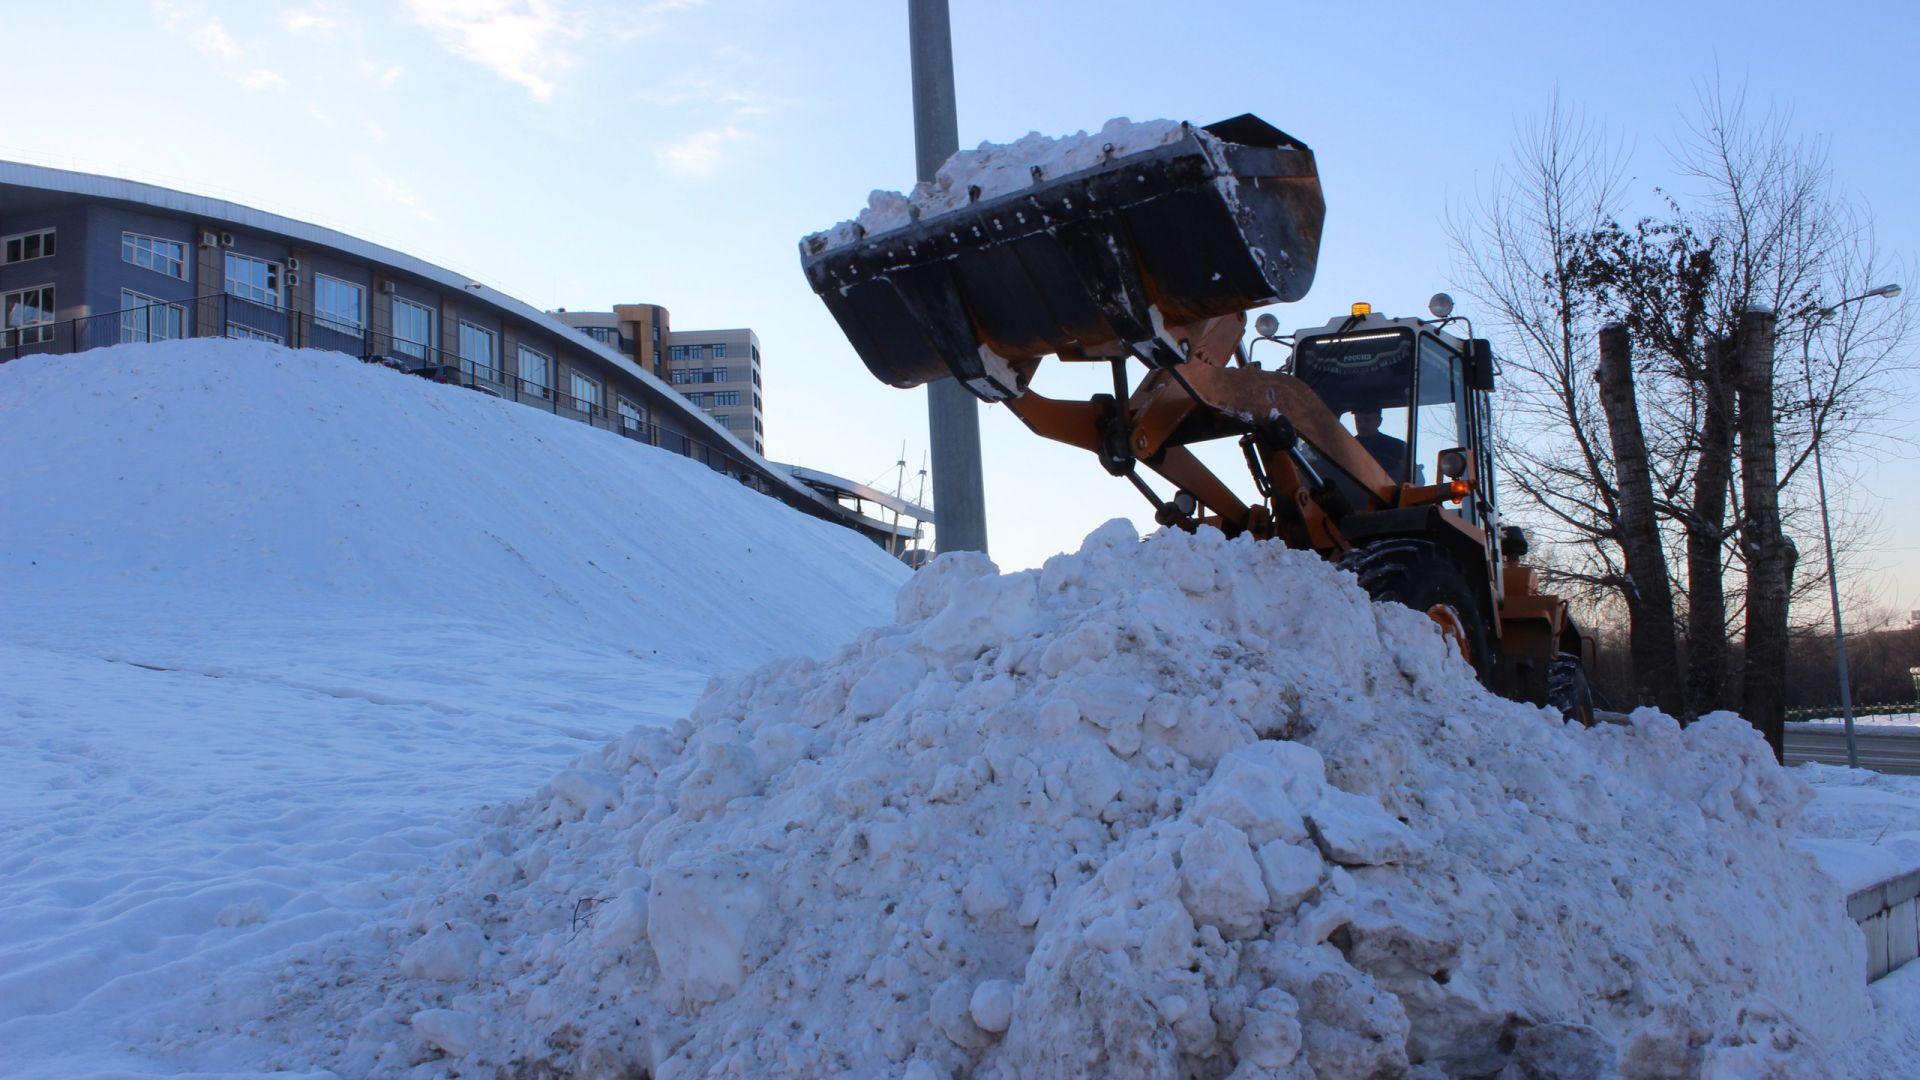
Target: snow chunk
[701, 912]
[992, 1005]
[451, 1031]
[1220, 881]
[447, 953]
[1354, 830]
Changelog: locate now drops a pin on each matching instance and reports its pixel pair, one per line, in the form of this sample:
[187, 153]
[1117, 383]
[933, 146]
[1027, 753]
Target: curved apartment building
[88, 261]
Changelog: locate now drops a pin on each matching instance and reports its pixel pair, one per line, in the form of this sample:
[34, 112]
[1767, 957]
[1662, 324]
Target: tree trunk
[1706, 525]
[1770, 556]
[1656, 668]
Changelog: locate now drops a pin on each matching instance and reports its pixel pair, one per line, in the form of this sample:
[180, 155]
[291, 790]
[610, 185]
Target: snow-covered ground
[1906, 720]
[276, 623]
[330, 746]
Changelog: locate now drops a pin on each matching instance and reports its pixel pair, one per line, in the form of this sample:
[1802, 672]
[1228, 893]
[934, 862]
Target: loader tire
[1419, 575]
[1567, 689]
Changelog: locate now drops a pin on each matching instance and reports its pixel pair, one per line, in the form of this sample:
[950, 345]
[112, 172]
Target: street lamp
[1826, 524]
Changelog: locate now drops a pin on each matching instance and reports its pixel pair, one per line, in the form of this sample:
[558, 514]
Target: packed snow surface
[1186, 807]
[227, 477]
[995, 169]
[273, 624]
[1865, 827]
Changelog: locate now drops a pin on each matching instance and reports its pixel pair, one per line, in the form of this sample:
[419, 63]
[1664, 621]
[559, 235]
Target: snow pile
[210, 478]
[1188, 807]
[995, 169]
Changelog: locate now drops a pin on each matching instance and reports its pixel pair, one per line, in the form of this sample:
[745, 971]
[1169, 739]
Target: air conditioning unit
[292, 279]
[293, 262]
[386, 286]
[209, 238]
[226, 239]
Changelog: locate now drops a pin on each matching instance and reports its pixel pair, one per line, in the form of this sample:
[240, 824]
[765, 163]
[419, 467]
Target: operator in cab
[1390, 452]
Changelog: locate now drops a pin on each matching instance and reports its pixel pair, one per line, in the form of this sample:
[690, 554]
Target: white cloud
[313, 22]
[212, 39]
[392, 188]
[523, 41]
[702, 152]
[209, 37]
[384, 74]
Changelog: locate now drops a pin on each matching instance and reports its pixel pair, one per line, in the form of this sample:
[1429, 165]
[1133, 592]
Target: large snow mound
[1187, 807]
[207, 476]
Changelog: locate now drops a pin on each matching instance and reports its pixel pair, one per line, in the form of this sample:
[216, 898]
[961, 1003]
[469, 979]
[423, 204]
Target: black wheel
[1420, 575]
[1567, 689]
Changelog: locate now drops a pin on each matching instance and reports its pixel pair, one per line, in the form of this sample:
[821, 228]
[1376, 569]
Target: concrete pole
[953, 414]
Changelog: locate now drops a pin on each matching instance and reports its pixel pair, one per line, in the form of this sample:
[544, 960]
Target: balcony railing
[223, 314]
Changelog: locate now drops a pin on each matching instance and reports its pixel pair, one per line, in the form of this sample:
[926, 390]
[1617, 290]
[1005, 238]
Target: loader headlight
[1266, 326]
[1453, 464]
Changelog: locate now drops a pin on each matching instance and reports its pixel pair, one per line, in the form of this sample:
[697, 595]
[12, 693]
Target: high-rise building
[717, 370]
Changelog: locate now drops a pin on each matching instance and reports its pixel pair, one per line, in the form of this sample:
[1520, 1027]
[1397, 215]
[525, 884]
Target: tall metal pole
[953, 414]
[1826, 524]
[1833, 574]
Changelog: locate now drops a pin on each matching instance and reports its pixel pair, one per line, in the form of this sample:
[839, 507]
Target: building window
[723, 420]
[757, 429]
[248, 333]
[534, 366]
[476, 350]
[142, 318]
[726, 397]
[586, 392]
[160, 256]
[338, 305]
[253, 279]
[754, 374]
[681, 376]
[24, 246]
[756, 403]
[719, 374]
[631, 418]
[412, 328]
[29, 316]
[720, 351]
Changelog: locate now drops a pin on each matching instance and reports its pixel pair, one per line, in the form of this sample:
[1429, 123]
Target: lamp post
[953, 413]
[1826, 523]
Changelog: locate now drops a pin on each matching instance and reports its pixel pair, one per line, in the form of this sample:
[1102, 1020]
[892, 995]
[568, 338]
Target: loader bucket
[1207, 225]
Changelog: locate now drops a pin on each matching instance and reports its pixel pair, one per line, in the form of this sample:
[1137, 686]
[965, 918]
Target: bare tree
[1714, 393]
[1518, 245]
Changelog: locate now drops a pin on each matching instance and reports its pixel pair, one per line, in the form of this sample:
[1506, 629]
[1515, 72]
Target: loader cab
[1428, 387]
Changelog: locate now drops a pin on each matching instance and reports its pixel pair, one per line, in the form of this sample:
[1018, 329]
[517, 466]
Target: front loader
[1156, 256]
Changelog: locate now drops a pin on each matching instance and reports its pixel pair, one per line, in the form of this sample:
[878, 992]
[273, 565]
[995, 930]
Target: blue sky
[579, 154]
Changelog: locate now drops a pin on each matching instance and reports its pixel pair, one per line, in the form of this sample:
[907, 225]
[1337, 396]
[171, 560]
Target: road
[1879, 750]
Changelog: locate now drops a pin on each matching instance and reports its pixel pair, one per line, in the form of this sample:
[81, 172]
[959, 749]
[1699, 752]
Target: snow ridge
[211, 477]
[1175, 808]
